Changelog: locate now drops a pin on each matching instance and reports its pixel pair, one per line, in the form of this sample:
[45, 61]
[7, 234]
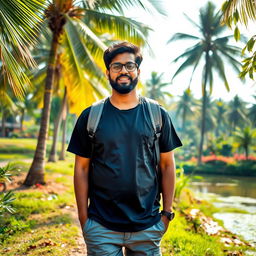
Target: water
[231, 192]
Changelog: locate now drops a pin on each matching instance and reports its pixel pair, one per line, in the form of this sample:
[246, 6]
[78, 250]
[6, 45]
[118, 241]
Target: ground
[45, 221]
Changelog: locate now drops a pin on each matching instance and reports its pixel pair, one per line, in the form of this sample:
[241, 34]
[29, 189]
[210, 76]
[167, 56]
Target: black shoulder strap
[156, 120]
[94, 117]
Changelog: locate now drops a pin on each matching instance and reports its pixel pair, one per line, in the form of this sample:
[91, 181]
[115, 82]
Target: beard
[123, 88]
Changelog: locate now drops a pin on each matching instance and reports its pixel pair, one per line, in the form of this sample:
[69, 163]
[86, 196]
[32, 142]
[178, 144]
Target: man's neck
[124, 101]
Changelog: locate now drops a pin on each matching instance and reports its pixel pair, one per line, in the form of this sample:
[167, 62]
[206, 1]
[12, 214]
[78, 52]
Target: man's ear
[138, 72]
[107, 74]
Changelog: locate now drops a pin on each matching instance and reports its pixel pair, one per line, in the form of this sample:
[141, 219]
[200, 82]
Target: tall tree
[252, 113]
[68, 21]
[221, 109]
[236, 114]
[155, 87]
[185, 107]
[210, 49]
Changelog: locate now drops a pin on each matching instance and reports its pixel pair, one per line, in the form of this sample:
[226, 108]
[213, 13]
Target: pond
[231, 192]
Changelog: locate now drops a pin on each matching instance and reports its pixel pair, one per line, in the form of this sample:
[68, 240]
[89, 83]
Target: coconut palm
[185, 107]
[155, 87]
[245, 137]
[210, 49]
[252, 113]
[236, 113]
[68, 22]
[221, 109]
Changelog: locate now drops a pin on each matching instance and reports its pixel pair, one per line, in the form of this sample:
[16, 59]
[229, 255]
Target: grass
[180, 241]
[43, 223]
[44, 220]
[19, 148]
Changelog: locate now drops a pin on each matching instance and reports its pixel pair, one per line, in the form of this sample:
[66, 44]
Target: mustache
[123, 76]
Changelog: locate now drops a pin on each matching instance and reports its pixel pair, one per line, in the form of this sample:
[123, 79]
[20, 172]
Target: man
[116, 171]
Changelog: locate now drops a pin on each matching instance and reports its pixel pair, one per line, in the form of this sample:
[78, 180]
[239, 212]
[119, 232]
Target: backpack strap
[94, 117]
[156, 120]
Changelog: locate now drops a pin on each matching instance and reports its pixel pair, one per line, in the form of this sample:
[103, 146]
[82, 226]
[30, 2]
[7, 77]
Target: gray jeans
[101, 241]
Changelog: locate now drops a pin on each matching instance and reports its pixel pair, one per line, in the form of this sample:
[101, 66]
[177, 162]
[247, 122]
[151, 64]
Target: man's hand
[81, 177]
[166, 222]
[82, 221]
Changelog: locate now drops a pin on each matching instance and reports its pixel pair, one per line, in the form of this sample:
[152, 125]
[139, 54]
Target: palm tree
[68, 22]
[210, 49]
[155, 86]
[245, 137]
[236, 113]
[19, 27]
[185, 107]
[221, 109]
[252, 113]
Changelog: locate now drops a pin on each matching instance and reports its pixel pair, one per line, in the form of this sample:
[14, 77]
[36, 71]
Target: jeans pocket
[86, 224]
[162, 226]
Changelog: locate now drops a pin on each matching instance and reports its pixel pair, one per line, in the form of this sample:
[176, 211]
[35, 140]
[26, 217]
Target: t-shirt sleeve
[169, 139]
[80, 143]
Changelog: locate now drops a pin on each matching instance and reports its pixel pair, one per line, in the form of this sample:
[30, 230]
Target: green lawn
[12, 149]
[44, 224]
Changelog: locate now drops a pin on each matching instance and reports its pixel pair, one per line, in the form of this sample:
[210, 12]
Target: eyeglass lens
[117, 67]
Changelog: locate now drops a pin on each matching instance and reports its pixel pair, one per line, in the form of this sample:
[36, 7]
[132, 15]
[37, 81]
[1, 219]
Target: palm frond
[219, 67]
[80, 57]
[19, 27]
[182, 36]
[121, 5]
[119, 27]
[192, 59]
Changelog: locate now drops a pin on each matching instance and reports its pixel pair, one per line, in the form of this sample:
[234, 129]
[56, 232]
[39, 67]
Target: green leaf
[243, 50]
[236, 16]
[250, 44]
[237, 34]
[251, 73]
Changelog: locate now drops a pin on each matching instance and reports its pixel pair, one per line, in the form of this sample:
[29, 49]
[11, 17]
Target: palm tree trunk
[63, 145]
[36, 171]
[246, 148]
[200, 153]
[203, 110]
[184, 119]
[52, 156]
[21, 120]
[3, 124]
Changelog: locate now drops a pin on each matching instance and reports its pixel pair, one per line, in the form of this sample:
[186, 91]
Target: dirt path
[52, 187]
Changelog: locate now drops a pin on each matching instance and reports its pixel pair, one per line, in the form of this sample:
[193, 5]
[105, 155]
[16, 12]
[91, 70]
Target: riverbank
[234, 199]
[240, 168]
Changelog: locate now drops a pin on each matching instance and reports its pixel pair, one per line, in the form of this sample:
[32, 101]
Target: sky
[164, 28]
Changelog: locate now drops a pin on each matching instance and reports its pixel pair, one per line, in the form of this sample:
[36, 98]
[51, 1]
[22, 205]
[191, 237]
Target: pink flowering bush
[225, 159]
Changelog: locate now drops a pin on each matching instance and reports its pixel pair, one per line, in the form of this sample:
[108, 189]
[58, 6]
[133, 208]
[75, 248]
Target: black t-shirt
[123, 185]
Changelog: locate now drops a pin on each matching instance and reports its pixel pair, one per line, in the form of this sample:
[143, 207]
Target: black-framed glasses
[117, 66]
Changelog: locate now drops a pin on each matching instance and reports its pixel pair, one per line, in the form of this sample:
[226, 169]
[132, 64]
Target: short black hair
[119, 48]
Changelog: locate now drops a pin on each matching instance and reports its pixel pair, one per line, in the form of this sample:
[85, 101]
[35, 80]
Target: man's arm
[167, 167]
[81, 185]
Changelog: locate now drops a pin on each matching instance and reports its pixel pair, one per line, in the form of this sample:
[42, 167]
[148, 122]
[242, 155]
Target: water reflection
[231, 192]
[226, 186]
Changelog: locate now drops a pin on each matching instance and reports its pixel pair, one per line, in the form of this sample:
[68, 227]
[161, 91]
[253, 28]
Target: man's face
[123, 80]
